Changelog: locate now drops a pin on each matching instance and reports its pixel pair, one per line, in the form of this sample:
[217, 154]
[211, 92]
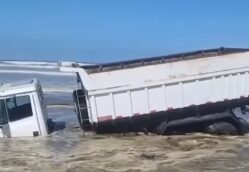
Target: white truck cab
[22, 110]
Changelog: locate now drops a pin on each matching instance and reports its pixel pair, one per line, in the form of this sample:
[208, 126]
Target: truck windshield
[19, 108]
[3, 113]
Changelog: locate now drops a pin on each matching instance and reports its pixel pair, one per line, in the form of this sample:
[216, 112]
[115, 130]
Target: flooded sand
[71, 150]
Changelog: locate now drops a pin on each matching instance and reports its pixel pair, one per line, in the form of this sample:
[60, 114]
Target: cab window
[18, 108]
[3, 113]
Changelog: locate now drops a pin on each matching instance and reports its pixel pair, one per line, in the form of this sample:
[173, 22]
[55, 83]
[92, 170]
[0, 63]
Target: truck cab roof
[19, 87]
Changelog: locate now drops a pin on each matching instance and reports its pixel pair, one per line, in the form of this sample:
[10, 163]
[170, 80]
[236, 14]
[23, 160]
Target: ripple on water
[70, 150]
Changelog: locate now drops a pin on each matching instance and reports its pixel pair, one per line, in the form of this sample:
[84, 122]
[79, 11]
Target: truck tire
[222, 128]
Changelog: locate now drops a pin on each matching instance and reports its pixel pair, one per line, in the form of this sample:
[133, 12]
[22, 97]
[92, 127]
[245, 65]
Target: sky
[111, 30]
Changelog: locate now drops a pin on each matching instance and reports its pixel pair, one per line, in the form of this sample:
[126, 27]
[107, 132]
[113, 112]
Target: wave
[37, 72]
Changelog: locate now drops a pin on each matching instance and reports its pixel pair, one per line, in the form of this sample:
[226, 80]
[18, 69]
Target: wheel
[222, 128]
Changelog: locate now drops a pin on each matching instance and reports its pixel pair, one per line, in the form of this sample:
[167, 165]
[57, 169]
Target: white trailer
[22, 110]
[164, 93]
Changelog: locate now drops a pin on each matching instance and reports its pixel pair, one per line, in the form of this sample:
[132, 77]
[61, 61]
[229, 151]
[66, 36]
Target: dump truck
[205, 90]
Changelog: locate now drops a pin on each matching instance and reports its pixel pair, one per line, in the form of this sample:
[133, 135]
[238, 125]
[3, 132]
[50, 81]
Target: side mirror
[1, 126]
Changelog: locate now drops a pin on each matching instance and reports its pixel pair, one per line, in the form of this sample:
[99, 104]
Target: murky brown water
[70, 150]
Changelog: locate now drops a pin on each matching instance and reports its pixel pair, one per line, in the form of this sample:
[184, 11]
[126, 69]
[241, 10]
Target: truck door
[4, 123]
[22, 117]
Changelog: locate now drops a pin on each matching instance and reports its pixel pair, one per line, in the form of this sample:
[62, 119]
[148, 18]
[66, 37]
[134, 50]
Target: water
[50, 83]
[72, 150]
